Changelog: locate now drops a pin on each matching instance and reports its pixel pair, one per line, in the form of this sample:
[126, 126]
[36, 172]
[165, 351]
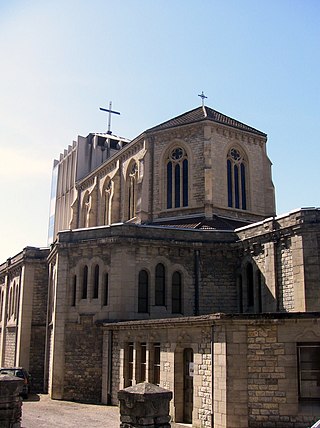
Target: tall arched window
[86, 210]
[107, 203]
[236, 179]
[176, 293]
[85, 283]
[177, 178]
[1, 303]
[106, 289]
[143, 292]
[259, 291]
[10, 303]
[96, 282]
[132, 190]
[160, 286]
[16, 306]
[74, 291]
[250, 286]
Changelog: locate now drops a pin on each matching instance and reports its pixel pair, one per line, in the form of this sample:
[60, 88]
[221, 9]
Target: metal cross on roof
[202, 96]
[110, 111]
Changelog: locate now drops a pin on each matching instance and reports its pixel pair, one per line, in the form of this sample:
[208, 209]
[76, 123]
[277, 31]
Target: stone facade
[254, 380]
[23, 291]
[149, 238]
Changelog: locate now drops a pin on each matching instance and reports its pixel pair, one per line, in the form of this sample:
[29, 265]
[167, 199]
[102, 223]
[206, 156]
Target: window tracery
[237, 179]
[177, 178]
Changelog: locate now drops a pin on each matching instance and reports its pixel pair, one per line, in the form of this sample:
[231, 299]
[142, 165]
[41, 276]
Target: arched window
[143, 292]
[250, 286]
[259, 291]
[176, 293]
[132, 190]
[85, 283]
[107, 203]
[74, 291]
[106, 289]
[86, 205]
[160, 286]
[10, 303]
[177, 178]
[240, 293]
[16, 307]
[1, 303]
[96, 282]
[237, 180]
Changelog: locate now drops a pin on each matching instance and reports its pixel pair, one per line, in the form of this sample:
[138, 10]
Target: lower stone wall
[83, 361]
[269, 379]
[10, 347]
[37, 357]
[255, 378]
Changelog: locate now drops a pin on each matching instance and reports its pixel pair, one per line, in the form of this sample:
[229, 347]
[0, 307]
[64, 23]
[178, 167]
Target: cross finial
[109, 119]
[202, 96]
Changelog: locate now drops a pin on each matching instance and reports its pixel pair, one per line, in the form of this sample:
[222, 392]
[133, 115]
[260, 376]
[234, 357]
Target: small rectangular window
[309, 370]
[143, 362]
[156, 364]
[129, 365]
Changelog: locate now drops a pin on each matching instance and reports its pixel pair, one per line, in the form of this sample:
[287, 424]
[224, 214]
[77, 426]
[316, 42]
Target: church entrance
[188, 385]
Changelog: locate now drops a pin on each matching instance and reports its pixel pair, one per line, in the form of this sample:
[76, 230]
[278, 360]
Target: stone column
[144, 405]
[10, 401]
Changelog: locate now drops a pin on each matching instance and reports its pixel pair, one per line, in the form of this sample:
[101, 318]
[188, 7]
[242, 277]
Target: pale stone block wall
[10, 347]
[254, 382]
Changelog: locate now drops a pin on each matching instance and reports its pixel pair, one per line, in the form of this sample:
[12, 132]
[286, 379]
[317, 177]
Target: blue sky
[257, 61]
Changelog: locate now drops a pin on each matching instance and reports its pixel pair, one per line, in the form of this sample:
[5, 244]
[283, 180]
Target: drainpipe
[212, 376]
[109, 373]
[196, 281]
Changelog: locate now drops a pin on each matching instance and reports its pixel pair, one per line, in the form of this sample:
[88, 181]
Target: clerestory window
[85, 282]
[177, 178]
[132, 190]
[107, 203]
[176, 293]
[237, 179]
[96, 282]
[160, 285]
[143, 292]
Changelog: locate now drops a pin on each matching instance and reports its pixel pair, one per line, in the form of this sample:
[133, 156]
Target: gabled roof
[205, 113]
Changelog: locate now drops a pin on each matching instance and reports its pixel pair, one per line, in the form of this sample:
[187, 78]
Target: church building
[168, 264]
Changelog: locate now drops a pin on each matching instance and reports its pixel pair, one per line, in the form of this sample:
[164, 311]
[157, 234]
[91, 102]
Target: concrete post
[10, 401]
[144, 405]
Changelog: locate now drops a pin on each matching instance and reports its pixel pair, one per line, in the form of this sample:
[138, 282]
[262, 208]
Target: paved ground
[38, 411]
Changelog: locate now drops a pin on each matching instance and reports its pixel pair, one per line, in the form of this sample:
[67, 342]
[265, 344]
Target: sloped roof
[201, 223]
[205, 113]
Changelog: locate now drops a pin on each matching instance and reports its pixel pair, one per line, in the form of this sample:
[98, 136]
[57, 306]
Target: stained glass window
[236, 180]
[177, 179]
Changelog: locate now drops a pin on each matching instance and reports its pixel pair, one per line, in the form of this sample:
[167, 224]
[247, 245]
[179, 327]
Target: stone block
[144, 405]
[10, 401]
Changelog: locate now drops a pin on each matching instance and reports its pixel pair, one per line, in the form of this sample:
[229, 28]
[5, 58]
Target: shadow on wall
[256, 294]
